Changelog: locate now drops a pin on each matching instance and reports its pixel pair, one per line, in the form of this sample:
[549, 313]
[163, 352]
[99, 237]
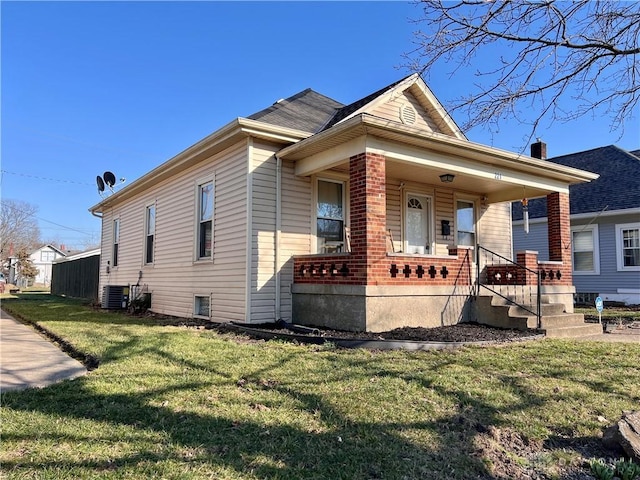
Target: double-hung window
[585, 250]
[330, 216]
[205, 220]
[628, 246]
[150, 230]
[116, 242]
[466, 223]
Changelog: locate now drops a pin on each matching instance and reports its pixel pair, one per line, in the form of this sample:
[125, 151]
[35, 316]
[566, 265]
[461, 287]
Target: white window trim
[476, 217]
[335, 178]
[145, 234]
[115, 241]
[196, 218]
[431, 226]
[619, 249]
[595, 236]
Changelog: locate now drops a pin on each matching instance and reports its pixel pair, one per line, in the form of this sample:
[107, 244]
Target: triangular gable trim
[424, 96]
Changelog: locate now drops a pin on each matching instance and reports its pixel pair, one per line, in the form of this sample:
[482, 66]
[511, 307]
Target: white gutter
[588, 215]
[222, 138]
[366, 124]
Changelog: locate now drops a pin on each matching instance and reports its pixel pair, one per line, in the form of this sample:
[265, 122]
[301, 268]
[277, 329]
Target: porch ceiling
[420, 156]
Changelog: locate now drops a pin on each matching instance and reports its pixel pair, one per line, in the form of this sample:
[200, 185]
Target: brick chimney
[539, 150]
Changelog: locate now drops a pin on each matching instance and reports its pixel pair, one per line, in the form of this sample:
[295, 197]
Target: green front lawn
[182, 403]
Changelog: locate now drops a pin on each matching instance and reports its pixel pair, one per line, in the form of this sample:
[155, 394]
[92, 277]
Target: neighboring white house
[605, 225]
[43, 259]
[364, 216]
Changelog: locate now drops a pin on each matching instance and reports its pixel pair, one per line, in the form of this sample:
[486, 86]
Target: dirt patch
[509, 455]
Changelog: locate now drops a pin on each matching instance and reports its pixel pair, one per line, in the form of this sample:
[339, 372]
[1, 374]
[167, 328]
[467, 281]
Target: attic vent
[408, 114]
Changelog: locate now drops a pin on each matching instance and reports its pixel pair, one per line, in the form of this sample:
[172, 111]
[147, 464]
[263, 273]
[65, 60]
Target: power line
[59, 180]
[31, 214]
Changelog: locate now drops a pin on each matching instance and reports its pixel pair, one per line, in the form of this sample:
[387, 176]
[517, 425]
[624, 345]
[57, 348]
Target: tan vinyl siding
[295, 238]
[394, 212]
[175, 277]
[494, 228]
[263, 281]
[391, 110]
[445, 210]
[443, 200]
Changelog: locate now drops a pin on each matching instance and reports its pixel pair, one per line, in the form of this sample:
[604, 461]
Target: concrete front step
[574, 331]
[546, 309]
[553, 321]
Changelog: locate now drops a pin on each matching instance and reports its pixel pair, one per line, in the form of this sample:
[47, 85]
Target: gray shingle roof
[617, 188]
[344, 112]
[307, 110]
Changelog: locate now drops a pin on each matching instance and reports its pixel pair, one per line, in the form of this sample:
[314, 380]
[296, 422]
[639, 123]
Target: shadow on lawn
[340, 449]
[329, 445]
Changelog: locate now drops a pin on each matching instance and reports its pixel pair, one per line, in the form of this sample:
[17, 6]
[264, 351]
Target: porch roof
[420, 155]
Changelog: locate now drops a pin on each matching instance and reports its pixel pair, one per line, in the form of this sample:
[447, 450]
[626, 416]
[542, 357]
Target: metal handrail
[510, 262]
[465, 261]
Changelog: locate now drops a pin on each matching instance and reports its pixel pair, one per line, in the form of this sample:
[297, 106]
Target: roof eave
[222, 138]
[365, 124]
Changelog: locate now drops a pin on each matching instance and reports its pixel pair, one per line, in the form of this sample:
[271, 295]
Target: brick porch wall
[342, 269]
[559, 236]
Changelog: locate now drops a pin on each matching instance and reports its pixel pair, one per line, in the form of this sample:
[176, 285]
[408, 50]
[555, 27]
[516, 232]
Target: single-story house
[43, 258]
[365, 216]
[605, 225]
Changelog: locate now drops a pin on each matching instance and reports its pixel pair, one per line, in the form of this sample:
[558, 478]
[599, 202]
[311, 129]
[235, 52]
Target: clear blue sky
[124, 86]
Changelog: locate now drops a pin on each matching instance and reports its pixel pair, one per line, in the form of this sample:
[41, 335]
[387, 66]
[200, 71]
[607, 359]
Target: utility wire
[59, 180]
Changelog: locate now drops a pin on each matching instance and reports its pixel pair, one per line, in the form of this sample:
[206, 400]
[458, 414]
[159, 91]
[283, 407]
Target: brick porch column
[368, 214]
[559, 234]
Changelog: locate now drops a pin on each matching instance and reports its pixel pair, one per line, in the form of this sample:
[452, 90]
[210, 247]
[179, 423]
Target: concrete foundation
[380, 308]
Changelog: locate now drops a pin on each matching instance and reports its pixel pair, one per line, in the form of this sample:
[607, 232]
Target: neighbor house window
[201, 306]
[330, 215]
[116, 242]
[584, 247]
[150, 229]
[628, 246]
[47, 256]
[205, 220]
[465, 223]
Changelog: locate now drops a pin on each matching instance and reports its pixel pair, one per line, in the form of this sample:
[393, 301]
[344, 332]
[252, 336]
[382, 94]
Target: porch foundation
[373, 308]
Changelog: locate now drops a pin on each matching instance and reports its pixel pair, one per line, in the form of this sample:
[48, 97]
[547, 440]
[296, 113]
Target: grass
[611, 313]
[181, 403]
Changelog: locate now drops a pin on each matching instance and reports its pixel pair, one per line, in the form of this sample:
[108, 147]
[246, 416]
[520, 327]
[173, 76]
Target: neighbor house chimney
[539, 150]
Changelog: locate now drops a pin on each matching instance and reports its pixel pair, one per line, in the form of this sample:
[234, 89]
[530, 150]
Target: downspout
[276, 266]
[249, 232]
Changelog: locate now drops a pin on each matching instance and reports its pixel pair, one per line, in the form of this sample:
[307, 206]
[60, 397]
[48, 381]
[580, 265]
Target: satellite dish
[100, 184]
[109, 179]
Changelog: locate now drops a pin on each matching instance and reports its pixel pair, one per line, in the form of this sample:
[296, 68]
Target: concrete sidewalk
[29, 360]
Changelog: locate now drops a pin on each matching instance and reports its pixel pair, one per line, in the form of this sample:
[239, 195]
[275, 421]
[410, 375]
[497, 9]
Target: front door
[417, 219]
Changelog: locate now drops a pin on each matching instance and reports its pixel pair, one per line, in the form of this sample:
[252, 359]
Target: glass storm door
[417, 224]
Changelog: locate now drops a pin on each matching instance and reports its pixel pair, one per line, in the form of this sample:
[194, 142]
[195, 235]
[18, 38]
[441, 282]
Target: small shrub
[627, 470]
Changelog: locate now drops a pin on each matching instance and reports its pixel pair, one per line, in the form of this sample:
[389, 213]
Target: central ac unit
[115, 297]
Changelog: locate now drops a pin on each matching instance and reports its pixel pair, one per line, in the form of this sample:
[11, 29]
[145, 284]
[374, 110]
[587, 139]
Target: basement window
[201, 306]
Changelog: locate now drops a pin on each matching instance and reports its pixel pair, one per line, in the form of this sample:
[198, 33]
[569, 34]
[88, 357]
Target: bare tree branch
[18, 227]
[547, 55]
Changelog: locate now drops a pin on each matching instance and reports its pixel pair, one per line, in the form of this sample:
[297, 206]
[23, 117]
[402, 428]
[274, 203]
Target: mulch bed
[463, 332]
